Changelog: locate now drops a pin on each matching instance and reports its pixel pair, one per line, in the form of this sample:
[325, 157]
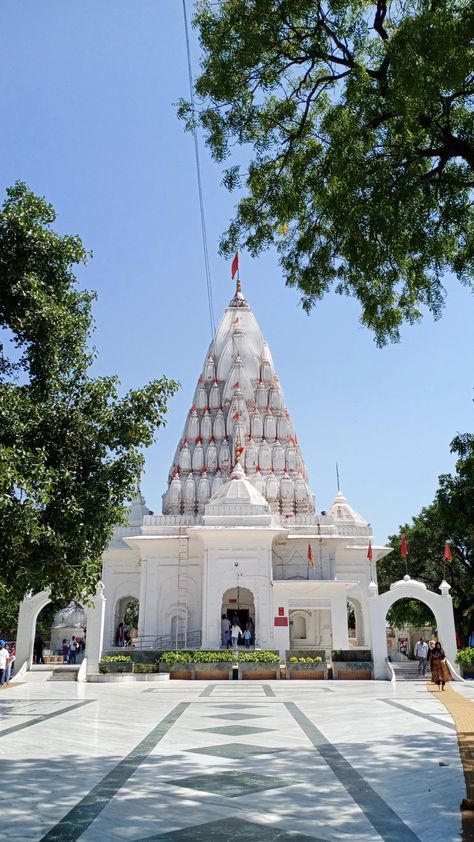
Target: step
[64, 674]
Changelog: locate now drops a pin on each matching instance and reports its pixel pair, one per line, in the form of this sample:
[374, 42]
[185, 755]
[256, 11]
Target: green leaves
[71, 448]
[360, 122]
[449, 517]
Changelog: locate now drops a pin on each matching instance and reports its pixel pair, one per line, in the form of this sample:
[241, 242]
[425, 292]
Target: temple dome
[72, 616]
[237, 503]
[239, 403]
[340, 511]
[238, 491]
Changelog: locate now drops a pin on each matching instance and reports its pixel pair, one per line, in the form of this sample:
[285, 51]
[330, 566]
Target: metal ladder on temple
[181, 632]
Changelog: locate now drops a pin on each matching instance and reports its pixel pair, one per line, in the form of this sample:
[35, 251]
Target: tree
[359, 124]
[449, 517]
[70, 447]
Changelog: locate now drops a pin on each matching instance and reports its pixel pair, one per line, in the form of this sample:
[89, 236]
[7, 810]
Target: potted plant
[259, 665]
[465, 658]
[352, 664]
[306, 668]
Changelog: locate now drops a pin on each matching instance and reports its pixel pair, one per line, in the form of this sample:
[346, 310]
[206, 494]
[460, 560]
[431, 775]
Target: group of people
[7, 661]
[231, 633]
[432, 655]
[72, 648]
[123, 636]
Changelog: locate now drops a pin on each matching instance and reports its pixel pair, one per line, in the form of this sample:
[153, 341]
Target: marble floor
[231, 761]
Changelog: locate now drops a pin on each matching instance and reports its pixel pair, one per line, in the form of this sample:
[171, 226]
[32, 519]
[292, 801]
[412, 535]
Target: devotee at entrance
[421, 654]
[225, 630]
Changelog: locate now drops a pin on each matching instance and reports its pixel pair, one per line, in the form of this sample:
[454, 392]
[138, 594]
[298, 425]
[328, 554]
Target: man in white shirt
[421, 653]
[4, 660]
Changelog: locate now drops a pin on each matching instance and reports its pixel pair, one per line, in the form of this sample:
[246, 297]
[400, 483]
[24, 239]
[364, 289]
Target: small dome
[238, 490]
[73, 616]
[137, 510]
[341, 512]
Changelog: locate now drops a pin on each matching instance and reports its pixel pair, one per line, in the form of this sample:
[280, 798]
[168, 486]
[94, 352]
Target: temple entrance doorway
[239, 603]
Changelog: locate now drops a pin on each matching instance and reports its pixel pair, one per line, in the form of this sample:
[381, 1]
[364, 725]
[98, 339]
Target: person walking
[72, 650]
[235, 632]
[65, 650]
[247, 637]
[421, 654]
[440, 673]
[225, 631]
[4, 660]
[38, 647]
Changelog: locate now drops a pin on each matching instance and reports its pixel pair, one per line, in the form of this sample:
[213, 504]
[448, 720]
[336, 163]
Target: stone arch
[28, 614]
[126, 590]
[359, 639]
[406, 588]
[299, 626]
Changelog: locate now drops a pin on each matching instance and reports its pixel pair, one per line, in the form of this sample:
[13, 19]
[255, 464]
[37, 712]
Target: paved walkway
[230, 761]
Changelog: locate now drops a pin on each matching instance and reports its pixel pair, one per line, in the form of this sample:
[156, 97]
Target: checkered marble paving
[273, 762]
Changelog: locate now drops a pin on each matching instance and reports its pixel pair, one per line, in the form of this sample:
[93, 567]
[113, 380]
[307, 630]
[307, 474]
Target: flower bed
[218, 665]
[306, 668]
[259, 666]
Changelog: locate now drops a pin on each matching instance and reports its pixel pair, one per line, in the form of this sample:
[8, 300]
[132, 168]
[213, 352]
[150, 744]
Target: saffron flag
[447, 555]
[235, 265]
[236, 416]
[310, 556]
[404, 548]
[236, 385]
[369, 551]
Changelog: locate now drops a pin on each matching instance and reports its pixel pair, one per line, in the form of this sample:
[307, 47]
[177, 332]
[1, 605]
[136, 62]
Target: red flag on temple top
[235, 265]
[447, 555]
[404, 548]
[369, 551]
[236, 385]
[310, 556]
[236, 416]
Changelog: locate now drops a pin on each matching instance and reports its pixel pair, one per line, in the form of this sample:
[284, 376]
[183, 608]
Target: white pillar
[29, 610]
[340, 636]
[445, 622]
[377, 614]
[95, 630]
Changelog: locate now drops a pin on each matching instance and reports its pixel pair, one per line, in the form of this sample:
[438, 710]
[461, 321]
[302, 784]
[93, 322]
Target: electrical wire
[199, 179]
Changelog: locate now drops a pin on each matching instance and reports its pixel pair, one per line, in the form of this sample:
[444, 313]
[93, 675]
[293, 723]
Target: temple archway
[406, 588]
[239, 602]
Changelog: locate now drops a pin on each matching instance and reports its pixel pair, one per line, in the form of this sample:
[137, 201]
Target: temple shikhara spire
[239, 408]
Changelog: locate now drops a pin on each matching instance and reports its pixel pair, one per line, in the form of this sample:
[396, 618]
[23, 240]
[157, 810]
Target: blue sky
[87, 93]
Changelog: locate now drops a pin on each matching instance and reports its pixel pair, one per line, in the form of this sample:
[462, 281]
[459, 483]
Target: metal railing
[191, 640]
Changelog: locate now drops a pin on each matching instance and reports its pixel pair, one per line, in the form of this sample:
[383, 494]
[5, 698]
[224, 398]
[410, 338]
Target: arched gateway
[406, 588]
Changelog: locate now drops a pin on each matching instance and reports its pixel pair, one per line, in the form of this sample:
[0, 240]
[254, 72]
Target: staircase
[408, 671]
[64, 673]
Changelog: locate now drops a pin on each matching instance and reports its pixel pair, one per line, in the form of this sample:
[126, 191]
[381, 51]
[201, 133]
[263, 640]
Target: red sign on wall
[281, 621]
[231, 601]
[281, 612]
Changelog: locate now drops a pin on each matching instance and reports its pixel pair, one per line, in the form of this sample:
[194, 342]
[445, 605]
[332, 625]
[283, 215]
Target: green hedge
[223, 656]
[466, 656]
[116, 659]
[258, 657]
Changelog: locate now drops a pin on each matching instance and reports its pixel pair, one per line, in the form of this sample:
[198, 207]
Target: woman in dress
[440, 673]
